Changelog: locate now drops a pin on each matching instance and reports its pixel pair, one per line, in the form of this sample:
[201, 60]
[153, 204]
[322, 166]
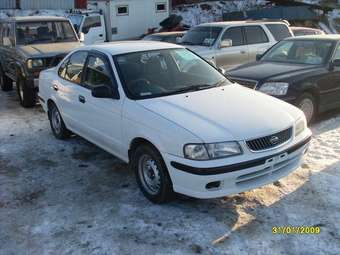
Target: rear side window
[255, 35]
[90, 22]
[234, 34]
[72, 70]
[279, 31]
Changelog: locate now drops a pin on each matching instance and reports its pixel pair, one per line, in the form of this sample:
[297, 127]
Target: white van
[119, 20]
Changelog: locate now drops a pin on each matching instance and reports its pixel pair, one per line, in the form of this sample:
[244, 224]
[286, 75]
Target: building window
[122, 10]
[160, 7]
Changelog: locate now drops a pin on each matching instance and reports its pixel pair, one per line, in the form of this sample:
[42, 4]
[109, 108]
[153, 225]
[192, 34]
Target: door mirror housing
[222, 71]
[258, 57]
[105, 91]
[226, 43]
[7, 42]
[81, 37]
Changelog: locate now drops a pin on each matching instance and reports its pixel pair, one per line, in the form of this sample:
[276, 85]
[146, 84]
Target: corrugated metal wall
[7, 4]
[45, 4]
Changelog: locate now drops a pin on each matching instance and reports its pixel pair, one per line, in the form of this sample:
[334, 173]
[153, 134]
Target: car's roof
[169, 33]
[123, 47]
[332, 37]
[242, 22]
[305, 28]
[35, 18]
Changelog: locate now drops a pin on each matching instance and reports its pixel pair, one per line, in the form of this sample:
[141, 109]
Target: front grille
[270, 141]
[247, 83]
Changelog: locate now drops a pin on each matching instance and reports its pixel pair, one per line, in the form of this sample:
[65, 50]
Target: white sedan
[178, 121]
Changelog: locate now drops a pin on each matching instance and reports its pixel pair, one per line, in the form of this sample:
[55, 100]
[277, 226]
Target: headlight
[275, 88]
[212, 150]
[300, 126]
[35, 63]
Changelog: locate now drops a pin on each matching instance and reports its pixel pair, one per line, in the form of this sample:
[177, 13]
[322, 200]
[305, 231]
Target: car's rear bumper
[236, 177]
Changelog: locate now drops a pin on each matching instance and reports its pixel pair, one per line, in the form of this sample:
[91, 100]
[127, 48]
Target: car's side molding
[235, 167]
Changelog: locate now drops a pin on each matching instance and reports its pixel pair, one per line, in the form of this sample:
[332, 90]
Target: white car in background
[231, 43]
[179, 122]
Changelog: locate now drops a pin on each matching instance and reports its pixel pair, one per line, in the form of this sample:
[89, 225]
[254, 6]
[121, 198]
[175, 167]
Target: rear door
[235, 55]
[256, 40]
[93, 29]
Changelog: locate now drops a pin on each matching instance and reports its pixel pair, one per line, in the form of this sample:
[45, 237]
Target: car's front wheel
[27, 95]
[307, 104]
[5, 82]
[151, 174]
[57, 123]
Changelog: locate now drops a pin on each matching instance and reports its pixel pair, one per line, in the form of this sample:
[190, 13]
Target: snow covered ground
[70, 197]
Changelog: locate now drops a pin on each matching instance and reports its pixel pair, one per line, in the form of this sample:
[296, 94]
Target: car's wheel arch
[138, 141]
[312, 89]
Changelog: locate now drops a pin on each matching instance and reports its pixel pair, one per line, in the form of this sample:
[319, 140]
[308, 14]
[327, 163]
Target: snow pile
[194, 14]
[13, 13]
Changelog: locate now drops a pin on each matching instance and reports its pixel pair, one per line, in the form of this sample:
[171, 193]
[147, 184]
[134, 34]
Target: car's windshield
[44, 32]
[311, 52]
[165, 72]
[203, 36]
[76, 21]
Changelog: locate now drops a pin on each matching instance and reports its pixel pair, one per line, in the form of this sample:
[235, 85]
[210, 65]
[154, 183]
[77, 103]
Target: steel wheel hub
[149, 174]
[307, 106]
[56, 120]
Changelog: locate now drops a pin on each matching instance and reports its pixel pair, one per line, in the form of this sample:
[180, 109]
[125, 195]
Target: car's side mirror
[226, 43]
[105, 91]
[7, 42]
[179, 39]
[258, 57]
[222, 71]
[81, 37]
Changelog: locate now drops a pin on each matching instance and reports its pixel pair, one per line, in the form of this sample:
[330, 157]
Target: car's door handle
[81, 99]
[243, 52]
[55, 87]
[101, 35]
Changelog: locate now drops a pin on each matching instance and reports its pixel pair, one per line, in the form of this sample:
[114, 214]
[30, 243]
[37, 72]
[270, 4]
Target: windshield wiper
[197, 87]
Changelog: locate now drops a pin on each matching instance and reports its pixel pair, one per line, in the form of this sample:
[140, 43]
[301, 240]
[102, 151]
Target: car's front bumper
[235, 177]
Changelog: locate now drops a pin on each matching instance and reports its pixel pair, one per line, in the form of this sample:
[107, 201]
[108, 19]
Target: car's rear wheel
[151, 174]
[57, 123]
[27, 95]
[5, 82]
[307, 104]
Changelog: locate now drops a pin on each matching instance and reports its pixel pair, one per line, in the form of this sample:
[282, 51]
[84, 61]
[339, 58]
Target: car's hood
[225, 113]
[267, 70]
[48, 49]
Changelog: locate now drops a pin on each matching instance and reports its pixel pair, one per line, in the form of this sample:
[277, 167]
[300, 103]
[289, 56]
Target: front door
[93, 29]
[235, 55]
[103, 115]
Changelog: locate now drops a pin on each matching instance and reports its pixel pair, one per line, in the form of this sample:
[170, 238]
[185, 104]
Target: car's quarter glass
[179, 123]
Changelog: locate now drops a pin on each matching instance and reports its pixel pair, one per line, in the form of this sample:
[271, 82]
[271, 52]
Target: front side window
[255, 35]
[235, 34]
[165, 72]
[312, 52]
[160, 7]
[91, 22]
[279, 31]
[337, 53]
[122, 10]
[73, 70]
[204, 36]
[44, 32]
[97, 72]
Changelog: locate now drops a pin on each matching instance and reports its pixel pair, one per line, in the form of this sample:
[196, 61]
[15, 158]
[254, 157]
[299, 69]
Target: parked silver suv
[229, 44]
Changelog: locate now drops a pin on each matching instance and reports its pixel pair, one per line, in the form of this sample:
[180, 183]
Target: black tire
[27, 95]
[304, 102]
[164, 193]
[5, 82]
[57, 123]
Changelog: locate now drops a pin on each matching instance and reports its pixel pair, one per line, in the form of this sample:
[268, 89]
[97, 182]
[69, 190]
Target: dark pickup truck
[29, 45]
